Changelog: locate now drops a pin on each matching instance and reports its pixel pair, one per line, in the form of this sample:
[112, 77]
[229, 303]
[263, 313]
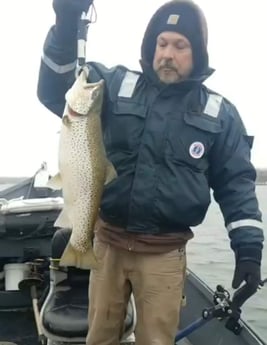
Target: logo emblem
[173, 19]
[196, 150]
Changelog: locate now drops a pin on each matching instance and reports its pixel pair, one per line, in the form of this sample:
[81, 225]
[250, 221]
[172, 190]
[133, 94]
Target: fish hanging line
[83, 23]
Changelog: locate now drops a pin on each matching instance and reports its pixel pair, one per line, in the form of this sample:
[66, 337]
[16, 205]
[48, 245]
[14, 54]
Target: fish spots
[83, 165]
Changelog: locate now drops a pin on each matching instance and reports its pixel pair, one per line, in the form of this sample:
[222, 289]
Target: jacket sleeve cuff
[249, 253]
[245, 234]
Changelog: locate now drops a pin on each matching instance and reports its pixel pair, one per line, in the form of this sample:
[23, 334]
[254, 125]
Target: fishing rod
[83, 25]
[224, 308]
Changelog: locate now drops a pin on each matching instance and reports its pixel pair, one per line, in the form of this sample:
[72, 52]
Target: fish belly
[82, 166]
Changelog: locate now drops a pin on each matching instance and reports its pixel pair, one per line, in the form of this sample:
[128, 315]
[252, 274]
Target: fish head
[84, 96]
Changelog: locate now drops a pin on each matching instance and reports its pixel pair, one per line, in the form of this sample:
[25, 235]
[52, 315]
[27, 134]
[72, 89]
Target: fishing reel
[228, 309]
[225, 308]
[221, 308]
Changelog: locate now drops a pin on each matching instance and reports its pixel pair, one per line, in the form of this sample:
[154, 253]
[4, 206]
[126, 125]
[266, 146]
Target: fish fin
[63, 220]
[71, 257]
[65, 119]
[111, 173]
[55, 182]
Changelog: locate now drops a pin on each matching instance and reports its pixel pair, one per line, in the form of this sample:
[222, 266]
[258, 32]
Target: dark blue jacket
[169, 144]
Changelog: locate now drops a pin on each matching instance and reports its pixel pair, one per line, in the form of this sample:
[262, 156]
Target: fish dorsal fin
[55, 182]
[63, 220]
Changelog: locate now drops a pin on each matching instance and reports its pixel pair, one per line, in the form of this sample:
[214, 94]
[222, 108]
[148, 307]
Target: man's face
[173, 60]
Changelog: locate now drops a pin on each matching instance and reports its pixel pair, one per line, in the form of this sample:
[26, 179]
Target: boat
[39, 305]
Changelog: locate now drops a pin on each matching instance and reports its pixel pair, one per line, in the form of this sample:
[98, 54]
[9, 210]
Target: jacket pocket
[190, 138]
[123, 107]
[125, 125]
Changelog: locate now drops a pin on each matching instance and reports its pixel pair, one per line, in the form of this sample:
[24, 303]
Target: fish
[83, 169]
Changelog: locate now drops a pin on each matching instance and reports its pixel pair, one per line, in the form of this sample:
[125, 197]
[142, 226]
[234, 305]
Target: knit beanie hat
[186, 18]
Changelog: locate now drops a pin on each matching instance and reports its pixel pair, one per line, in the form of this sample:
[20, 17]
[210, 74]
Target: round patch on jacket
[196, 150]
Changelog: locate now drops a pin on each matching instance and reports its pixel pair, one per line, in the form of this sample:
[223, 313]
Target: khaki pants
[156, 281]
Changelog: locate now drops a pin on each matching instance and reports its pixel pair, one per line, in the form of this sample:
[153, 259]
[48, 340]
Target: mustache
[167, 64]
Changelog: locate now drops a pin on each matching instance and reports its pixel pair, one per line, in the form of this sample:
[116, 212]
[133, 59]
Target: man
[170, 139]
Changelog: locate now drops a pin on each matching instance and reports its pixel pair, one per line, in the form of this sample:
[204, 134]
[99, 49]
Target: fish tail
[72, 257]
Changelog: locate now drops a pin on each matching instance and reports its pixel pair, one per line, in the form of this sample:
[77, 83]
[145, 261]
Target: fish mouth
[71, 116]
[71, 113]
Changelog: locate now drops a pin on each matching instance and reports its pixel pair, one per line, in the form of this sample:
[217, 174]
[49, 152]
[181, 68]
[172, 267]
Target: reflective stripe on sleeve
[244, 222]
[60, 69]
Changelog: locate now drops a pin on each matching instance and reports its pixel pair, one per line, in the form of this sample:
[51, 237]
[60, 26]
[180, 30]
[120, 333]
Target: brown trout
[83, 169]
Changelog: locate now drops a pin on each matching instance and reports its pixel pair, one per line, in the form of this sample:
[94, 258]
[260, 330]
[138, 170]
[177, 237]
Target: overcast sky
[28, 136]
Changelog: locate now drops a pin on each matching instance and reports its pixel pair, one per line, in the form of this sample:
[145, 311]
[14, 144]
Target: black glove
[71, 8]
[248, 267]
[67, 14]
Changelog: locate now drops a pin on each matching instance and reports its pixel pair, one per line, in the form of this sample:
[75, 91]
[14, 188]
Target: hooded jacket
[170, 144]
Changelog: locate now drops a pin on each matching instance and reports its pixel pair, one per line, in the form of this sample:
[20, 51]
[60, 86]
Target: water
[211, 258]
[4, 186]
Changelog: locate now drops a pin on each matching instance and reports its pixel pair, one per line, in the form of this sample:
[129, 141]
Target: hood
[190, 21]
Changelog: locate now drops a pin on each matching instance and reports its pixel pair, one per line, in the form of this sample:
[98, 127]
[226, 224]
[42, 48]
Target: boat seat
[64, 314]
